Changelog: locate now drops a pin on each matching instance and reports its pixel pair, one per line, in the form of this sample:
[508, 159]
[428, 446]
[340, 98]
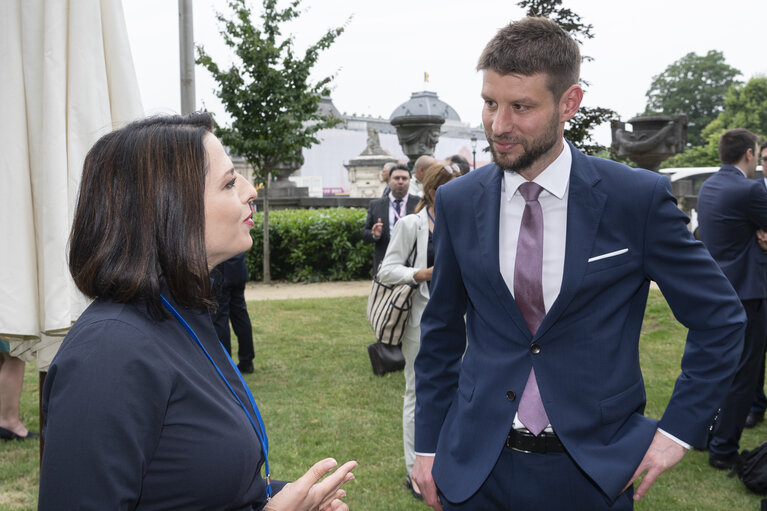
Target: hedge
[311, 245]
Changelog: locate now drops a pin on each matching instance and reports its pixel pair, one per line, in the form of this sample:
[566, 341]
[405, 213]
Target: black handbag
[386, 358]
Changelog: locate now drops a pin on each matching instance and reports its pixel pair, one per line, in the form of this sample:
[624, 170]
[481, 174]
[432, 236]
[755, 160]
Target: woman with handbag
[403, 265]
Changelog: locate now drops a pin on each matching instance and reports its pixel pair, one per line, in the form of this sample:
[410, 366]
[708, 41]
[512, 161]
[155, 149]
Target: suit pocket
[607, 260]
[623, 404]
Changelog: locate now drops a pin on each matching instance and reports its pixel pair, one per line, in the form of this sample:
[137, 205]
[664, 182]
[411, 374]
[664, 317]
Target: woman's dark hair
[140, 218]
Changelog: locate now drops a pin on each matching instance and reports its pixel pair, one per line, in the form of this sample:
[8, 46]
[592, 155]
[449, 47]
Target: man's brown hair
[734, 143]
[534, 45]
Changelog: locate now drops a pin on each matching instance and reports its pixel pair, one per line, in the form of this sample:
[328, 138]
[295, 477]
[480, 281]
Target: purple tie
[528, 293]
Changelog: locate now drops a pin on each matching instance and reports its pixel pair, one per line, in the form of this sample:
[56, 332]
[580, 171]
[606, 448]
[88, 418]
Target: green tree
[745, 106]
[694, 85]
[579, 127]
[268, 93]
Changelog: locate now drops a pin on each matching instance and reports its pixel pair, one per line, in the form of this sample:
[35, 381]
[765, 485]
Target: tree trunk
[267, 271]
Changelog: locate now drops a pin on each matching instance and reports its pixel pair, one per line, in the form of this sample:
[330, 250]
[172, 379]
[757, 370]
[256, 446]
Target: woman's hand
[423, 274]
[308, 494]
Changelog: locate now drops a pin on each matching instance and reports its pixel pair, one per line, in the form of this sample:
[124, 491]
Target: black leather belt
[524, 441]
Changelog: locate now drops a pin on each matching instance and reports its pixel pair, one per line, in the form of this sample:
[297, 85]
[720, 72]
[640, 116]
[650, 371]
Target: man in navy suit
[731, 208]
[559, 342]
[384, 212]
[759, 405]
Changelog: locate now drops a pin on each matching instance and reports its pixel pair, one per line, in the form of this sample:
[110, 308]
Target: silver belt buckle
[525, 430]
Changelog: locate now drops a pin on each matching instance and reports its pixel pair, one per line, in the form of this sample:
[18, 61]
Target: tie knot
[530, 191]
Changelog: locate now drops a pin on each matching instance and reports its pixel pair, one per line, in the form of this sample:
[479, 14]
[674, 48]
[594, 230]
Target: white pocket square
[609, 254]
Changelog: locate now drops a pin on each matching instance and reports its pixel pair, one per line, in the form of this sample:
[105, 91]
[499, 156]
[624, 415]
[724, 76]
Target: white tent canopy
[68, 78]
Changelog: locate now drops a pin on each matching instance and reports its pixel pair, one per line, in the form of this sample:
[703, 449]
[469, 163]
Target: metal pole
[186, 53]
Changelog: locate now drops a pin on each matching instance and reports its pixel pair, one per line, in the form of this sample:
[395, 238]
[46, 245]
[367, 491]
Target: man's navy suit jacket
[623, 231]
[730, 210]
[379, 208]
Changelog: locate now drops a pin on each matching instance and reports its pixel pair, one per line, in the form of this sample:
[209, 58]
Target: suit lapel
[584, 212]
[488, 205]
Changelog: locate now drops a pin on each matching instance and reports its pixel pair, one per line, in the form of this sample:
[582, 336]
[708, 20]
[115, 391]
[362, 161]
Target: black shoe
[752, 419]
[7, 434]
[722, 462]
[245, 367]
[409, 486]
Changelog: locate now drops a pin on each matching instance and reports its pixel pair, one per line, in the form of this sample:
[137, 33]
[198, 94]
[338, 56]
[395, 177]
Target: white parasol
[67, 79]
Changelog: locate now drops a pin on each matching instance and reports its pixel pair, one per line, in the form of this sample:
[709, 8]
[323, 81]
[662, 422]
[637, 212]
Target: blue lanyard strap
[431, 217]
[261, 429]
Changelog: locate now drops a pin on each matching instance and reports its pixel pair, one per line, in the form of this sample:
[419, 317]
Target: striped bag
[389, 308]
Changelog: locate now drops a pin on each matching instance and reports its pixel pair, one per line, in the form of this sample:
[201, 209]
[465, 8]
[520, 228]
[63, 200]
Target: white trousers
[411, 342]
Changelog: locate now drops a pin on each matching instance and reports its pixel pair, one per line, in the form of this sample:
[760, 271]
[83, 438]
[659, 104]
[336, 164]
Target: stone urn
[653, 138]
[281, 186]
[418, 122]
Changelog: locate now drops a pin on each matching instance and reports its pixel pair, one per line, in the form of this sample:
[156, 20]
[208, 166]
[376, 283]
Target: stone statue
[373, 145]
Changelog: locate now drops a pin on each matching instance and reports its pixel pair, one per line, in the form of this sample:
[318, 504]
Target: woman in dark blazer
[144, 408]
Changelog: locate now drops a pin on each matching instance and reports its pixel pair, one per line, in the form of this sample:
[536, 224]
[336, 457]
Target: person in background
[144, 408]
[385, 177]
[543, 262]
[759, 404]
[11, 384]
[409, 260]
[732, 207]
[230, 278]
[463, 164]
[384, 212]
[419, 168]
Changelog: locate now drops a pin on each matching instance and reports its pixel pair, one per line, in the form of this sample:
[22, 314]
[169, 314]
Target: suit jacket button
[510, 395]
[535, 348]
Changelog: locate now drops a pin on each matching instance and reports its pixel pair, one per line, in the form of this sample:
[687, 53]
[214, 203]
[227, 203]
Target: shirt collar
[554, 178]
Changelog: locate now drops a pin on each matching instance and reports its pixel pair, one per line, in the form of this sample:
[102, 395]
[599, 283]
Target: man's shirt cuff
[675, 439]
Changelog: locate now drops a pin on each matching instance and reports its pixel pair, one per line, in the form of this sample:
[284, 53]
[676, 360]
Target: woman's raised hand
[308, 493]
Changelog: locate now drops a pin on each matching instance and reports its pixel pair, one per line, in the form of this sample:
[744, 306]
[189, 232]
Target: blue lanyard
[261, 430]
[431, 217]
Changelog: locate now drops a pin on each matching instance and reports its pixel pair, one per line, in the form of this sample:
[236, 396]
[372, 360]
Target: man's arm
[443, 341]
[704, 301]
[370, 221]
[757, 205]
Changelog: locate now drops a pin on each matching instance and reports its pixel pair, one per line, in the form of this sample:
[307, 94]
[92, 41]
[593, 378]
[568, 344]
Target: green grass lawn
[319, 398]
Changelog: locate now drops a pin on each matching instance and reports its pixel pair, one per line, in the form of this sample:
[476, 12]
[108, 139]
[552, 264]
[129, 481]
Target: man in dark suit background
[383, 213]
[230, 278]
[731, 208]
[759, 405]
[543, 261]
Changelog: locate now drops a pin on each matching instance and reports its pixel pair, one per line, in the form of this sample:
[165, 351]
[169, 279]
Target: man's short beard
[538, 147]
